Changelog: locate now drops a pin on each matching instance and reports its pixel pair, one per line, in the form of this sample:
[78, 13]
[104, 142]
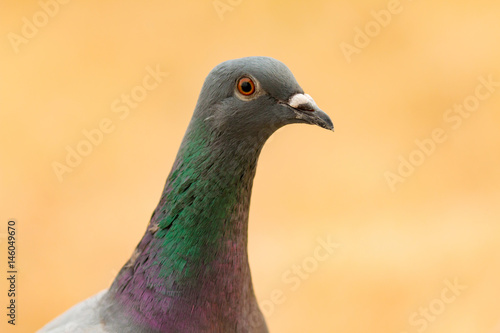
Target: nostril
[305, 107]
[302, 102]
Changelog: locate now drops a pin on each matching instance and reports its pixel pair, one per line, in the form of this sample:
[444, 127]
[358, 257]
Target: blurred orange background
[402, 244]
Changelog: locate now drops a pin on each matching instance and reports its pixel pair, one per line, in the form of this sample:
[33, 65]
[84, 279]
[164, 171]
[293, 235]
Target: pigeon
[190, 270]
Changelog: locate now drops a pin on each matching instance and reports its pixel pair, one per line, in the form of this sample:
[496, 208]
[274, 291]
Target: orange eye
[246, 86]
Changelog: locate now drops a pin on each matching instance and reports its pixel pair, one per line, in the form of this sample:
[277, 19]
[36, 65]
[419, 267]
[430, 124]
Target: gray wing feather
[82, 318]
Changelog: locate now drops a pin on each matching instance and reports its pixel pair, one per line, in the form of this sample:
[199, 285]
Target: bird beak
[306, 109]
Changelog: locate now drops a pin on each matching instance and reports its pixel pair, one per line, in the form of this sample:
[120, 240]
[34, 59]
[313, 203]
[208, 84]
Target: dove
[190, 271]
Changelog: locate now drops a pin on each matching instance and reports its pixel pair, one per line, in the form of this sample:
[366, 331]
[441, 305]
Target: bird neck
[202, 216]
[194, 251]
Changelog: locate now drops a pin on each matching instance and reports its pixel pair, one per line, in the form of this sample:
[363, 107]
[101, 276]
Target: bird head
[255, 96]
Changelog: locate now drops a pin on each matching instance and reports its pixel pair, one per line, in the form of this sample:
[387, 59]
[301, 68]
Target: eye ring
[246, 86]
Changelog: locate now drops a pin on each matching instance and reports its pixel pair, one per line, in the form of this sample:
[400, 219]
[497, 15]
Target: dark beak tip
[330, 126]
[324, 120]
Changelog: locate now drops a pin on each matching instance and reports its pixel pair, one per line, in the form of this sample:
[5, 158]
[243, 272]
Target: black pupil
[246, 86]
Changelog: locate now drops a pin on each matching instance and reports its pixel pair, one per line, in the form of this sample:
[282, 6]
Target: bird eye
[246, 86]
